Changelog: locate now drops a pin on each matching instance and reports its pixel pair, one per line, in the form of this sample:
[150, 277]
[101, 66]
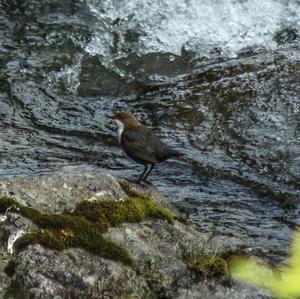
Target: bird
[141, 144]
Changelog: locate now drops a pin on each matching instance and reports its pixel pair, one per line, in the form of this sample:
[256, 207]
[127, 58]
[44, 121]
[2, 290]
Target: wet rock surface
[61, 191]
[226, 94]
[158, 248]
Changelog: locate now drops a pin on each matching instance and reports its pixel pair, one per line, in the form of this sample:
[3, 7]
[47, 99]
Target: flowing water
[218, 80]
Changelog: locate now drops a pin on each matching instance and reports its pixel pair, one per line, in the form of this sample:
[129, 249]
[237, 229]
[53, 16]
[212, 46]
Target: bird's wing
[138, 144]
[161, 150]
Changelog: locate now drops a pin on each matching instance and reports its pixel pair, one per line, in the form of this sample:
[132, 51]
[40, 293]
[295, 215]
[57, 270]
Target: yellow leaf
[282, 282]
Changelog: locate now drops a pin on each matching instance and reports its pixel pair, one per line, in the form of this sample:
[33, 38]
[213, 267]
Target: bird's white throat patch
[120, 129]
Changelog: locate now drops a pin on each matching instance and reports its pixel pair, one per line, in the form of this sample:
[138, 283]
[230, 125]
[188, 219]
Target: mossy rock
[111, 213]
[7, 202]
[84, 227]
[208, 267]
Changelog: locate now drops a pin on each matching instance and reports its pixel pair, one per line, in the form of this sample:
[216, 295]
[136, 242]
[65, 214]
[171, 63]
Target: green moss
[7, 202]
[92, 241]
[112, 213]
[207, 267]
[49, 238]
[59, 221]
[84, 227]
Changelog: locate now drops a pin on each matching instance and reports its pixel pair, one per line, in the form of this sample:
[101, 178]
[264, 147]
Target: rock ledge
[157, 247]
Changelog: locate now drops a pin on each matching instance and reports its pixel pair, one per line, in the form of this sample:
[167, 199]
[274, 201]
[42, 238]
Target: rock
[286, 35]
[61, 191]
[5, 280]
[158, 248]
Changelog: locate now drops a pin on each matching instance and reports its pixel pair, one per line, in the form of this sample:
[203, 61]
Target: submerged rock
[159, 249]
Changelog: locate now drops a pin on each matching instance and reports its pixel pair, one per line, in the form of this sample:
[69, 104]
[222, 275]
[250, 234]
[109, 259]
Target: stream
[217, 80]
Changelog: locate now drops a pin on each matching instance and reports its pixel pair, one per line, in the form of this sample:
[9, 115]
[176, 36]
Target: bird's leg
[141, 176]
[151, 168]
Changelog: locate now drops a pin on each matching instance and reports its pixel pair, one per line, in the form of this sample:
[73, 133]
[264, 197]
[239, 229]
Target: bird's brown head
[127, 119]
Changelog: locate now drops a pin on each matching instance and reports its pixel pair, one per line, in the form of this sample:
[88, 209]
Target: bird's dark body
[144, 147]
[141, 144]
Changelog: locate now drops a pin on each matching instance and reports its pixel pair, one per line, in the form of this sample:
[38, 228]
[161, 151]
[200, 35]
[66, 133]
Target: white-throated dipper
[141, 144]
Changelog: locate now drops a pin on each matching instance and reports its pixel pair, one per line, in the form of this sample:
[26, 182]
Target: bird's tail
[175, 154]
[167, 153]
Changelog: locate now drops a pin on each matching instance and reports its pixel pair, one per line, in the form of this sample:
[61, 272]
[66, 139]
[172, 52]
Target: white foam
[167, 26]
